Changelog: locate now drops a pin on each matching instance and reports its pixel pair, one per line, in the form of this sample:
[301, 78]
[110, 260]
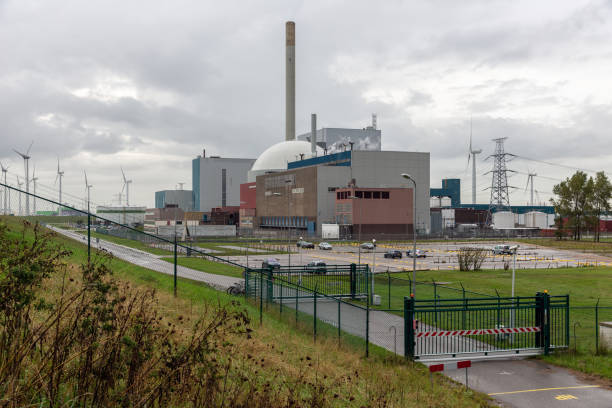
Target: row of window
[344, 195]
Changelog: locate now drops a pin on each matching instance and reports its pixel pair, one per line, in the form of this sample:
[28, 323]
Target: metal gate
[339, 281]
[487, 326]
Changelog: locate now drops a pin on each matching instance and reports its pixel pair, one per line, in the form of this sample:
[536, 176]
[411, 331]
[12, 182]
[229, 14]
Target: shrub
[471, 259]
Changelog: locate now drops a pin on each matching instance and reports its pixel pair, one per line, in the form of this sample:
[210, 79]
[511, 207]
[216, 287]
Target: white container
[605, 334]
[330, 231]
[503, 219]
[376, 300]
[536, 219]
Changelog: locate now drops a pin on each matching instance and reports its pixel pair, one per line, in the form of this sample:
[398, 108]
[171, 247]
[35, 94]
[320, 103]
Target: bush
[471, 259]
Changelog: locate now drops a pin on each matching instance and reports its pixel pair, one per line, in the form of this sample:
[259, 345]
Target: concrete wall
[199, 230]
[383, 169]
[208, 193]
[329, 178]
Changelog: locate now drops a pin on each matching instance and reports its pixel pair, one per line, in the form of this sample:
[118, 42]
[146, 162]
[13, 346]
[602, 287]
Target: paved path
[150, 261]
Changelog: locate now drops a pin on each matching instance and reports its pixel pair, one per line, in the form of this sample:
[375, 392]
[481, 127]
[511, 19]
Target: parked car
[367, 245]
[317, 267]
[325, 246]
[419, 254]
[393, 254]
[502, 250]
[305, 244]
[271, 263]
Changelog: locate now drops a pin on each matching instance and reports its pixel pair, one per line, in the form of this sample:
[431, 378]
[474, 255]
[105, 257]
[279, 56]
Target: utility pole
[500, 197]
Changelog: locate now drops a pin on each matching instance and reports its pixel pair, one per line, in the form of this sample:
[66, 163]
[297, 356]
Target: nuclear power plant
[332, 176]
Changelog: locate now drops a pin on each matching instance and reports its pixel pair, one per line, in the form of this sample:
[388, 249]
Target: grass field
[600, 248]
[275, 357]
[204, 265]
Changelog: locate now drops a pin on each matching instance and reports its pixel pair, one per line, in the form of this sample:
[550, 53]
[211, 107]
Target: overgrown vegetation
[582, 200]
[115, 341]
[471, 258]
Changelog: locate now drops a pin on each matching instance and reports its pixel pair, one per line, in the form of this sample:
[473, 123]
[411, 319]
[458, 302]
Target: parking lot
[438, 256]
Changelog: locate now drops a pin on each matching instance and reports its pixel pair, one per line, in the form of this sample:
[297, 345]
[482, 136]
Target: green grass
[288, 350]
[600, 248]
[131, 243]
[205, 265]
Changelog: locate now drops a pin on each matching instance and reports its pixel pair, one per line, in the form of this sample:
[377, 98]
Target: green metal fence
[451, 327]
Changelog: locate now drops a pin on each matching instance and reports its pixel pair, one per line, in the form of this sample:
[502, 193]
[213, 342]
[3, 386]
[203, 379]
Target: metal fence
[454, 327]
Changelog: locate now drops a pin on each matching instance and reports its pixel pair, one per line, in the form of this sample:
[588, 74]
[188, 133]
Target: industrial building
[130, 216]
[216, 181]
[304, 196]
[181, 198]
[333, 140]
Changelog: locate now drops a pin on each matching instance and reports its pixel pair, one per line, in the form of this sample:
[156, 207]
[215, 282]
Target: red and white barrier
[477, 332]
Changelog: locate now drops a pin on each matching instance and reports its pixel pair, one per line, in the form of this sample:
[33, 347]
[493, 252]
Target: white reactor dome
[276, 157]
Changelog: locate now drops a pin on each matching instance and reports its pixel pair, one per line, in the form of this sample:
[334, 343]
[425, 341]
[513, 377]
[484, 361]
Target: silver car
[325, 246]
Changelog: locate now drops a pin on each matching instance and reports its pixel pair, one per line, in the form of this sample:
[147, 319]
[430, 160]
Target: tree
[574, 200]
[600, 200]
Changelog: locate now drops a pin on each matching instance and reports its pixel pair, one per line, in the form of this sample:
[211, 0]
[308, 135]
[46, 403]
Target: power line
[558, 165]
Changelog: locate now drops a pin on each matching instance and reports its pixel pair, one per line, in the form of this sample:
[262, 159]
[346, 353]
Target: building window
[385, 195]
[338, 195]
[359, 194]
[376, 195]
[367, 194]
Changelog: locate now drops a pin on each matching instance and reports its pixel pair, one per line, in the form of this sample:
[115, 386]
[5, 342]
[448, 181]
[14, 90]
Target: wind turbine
[530, 177]
[6, 191]
[26, 165]
[472, 154]
[59, 175]
[19, 184]
[126, 186]
[88, 188]
[34, 180]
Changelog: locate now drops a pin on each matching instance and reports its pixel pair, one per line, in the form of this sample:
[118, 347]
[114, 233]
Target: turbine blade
[123, 174]
[527, 185]
[28, 151]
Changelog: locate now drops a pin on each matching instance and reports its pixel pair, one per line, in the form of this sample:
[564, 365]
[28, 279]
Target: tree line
[582, 201]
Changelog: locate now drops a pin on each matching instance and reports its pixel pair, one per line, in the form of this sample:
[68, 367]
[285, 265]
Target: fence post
[389, 288]
[409, 327]
[368, 321]
[270, 292]
[546, 323]
[260, 297]
[296, 304]
[339, 314]
[567, 322]
[175, 262]
[353, 276]
[315, 315]
[597, 326]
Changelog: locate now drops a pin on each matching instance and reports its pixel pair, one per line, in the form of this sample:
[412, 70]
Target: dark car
[305, 244]
[271, 263]
[393, 254]
[317, 267]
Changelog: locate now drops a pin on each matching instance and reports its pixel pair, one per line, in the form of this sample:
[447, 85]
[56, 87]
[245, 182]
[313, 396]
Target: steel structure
[472, 155]
[500, 197]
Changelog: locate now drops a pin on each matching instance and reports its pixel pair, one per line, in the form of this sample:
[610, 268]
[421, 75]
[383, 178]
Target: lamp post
[373, 268]
[409, 177]
[514, 249]
[275, 194]
[288, 184]
[360, 221]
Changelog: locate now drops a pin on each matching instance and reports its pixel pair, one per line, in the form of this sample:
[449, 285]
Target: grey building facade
[313, 197]
[182, 198]
[216, 181]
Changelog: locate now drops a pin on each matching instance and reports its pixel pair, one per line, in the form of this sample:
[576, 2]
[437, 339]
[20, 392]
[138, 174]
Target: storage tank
[503, 219]
[536, 219]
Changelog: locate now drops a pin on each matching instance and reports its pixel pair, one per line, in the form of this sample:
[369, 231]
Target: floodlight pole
[373, 268]
[407, 176]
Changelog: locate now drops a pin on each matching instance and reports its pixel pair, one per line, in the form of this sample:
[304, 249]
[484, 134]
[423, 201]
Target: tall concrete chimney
[313, 134]
[290, 82]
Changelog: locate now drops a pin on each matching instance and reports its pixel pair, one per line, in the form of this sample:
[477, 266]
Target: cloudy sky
[148, 84]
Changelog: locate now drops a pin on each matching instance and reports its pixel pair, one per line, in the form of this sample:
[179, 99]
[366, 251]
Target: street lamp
[360, 221]
[409, 177]
[373, 268]
[514, 250]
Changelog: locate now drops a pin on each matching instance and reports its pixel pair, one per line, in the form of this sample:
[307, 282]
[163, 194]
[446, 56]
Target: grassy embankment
[292, 366]
[603, 248]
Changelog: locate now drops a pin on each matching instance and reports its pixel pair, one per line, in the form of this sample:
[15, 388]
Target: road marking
[564, 397]
[545, 389]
